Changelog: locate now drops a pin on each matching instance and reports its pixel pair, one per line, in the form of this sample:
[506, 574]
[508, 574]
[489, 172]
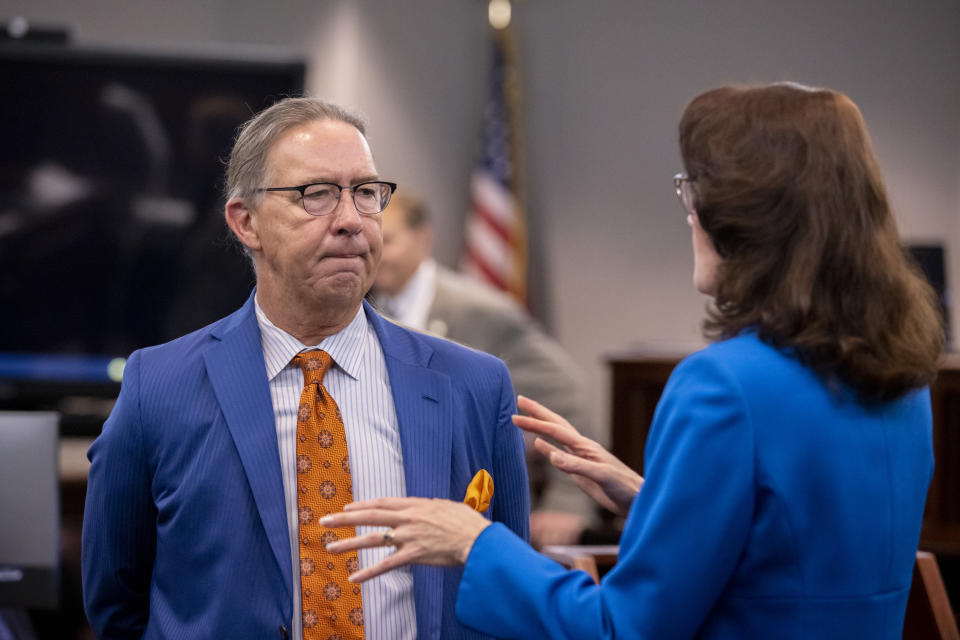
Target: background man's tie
[332, 608]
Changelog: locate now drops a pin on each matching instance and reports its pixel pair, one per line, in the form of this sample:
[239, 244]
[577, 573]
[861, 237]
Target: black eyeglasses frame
[302, 189]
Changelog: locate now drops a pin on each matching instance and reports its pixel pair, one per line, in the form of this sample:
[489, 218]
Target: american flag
[495, 250]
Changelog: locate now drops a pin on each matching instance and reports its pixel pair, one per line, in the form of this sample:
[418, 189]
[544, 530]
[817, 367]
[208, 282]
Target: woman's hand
[596, 471]
[424, 531]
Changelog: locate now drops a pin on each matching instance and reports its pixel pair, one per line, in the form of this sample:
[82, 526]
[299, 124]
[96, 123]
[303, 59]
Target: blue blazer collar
[423, 398]
[239, 379]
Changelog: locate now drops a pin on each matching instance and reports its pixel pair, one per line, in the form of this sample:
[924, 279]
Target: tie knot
[314, 364]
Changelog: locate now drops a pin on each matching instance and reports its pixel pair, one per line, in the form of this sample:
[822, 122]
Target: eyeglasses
[684, 186]
[321, 198]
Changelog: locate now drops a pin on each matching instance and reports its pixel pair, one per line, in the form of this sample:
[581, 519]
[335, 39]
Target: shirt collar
[346, 347]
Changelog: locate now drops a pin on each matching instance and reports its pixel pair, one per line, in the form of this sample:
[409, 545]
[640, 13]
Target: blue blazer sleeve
[681, 543]
[511, 493]
[119, 538]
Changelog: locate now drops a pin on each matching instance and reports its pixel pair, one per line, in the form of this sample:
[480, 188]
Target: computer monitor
[29, 510]
[930, 259]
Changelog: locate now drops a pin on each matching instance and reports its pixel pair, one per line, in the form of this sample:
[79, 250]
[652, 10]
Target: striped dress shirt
[361, 387]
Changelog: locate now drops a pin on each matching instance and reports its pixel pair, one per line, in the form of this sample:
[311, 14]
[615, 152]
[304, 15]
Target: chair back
[928, 608]
[589, 558]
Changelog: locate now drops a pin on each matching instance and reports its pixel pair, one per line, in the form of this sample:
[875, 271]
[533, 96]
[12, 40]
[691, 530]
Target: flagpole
[495, 249]
[518, 178]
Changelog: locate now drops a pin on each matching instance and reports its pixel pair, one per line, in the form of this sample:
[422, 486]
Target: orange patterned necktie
[332, 608]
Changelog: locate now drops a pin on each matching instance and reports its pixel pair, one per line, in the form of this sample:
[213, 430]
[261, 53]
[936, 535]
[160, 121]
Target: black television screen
[111, 228]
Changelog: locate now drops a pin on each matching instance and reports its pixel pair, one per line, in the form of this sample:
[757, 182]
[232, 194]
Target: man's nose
[346, 219]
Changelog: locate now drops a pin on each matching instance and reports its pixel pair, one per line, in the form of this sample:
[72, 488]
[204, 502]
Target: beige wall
[605, 84]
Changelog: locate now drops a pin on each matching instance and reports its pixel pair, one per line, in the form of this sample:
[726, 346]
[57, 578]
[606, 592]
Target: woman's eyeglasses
[684, 187]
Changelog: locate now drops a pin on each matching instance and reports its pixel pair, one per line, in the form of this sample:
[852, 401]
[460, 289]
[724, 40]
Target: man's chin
[342, 289]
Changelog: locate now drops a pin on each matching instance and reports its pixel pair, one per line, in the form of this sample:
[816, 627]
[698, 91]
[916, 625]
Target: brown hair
[787, 188]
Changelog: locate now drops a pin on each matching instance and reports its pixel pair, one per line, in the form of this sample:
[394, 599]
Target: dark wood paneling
[638, 379]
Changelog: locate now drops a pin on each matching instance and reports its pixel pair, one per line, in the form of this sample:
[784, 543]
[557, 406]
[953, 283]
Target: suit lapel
[238, 376]
[423, 404]
[423, 399]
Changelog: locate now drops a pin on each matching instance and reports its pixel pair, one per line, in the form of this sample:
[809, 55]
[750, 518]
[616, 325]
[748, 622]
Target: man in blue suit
[191, 523]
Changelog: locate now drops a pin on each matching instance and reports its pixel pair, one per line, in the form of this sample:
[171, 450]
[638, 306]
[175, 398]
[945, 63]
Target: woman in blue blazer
[788, 463]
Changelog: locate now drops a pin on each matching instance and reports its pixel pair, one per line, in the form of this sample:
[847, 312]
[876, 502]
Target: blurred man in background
[413, 289]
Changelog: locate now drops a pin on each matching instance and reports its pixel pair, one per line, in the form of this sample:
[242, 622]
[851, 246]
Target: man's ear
[241, 221]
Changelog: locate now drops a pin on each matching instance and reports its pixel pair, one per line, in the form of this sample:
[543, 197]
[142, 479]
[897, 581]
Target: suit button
[284, 633]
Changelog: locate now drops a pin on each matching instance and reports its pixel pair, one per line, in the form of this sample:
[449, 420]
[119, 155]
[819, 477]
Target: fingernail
[325, 520]
[350, 579]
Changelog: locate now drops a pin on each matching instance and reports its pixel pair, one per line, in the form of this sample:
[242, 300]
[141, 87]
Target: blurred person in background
[414, 290]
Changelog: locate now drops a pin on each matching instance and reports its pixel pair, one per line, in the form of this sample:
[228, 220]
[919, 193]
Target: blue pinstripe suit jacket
[185, 534]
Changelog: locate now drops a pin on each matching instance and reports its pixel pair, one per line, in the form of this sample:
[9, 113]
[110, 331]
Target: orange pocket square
[479, 491]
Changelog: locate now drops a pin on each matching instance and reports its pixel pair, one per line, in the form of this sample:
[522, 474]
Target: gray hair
[247, 166]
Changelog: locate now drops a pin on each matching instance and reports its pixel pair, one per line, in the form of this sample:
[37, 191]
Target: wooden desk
[638, 378]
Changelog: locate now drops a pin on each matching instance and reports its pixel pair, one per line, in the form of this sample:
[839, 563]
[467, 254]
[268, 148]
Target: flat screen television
[111, 228]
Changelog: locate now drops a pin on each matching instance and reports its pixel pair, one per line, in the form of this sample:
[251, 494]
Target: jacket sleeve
[511, 492]
[119, 534]
[683, 538]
